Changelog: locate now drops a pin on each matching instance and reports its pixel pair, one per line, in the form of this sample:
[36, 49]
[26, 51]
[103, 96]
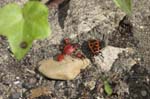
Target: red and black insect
[94, 46]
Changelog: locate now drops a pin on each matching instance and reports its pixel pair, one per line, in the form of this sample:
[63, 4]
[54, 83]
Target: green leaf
[107, 88]
[124, 5]
[23, 25]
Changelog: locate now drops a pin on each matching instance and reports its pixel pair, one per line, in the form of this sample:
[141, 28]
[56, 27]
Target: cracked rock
[109, 55]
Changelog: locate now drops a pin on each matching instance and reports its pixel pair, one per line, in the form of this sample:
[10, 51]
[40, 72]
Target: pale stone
[66, 69]
[109, 55]
[90, 84]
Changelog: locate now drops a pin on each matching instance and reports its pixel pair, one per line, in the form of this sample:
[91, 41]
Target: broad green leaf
[23, 25]
[124, 5]
[107, 88]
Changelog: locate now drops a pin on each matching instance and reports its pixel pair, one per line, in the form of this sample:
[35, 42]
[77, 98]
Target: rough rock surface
[80, 16]
[109, 55]
[83, 15]
[4, 2]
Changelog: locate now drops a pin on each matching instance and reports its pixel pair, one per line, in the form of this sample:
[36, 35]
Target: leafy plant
[124, 5]
[22, 25]
[107, 88]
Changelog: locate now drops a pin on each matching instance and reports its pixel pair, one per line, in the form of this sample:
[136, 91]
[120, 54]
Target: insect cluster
[69, 49]
[72, 49]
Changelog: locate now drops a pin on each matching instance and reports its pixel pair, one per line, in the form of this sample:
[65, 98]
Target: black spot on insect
[23, 45]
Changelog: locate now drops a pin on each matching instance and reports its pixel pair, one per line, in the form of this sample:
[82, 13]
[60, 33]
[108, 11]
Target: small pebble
[32, 80]
[90, 84]
[30, 83]
[59, 84]
[147, 79]
[135, 95]
[143, 93]
[99, 98]
[27, 86]
[141, 27]
[15, 96]
[16, 82]
[17, 78]
[1, 97]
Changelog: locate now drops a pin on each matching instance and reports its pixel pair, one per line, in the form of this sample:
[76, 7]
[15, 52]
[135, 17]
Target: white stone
[16, 82]
[109, 55]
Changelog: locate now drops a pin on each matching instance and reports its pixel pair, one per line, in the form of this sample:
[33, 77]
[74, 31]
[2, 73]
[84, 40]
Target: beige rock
[66, 69]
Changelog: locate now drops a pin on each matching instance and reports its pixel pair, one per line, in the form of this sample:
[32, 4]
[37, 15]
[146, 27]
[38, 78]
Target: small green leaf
[124, 5]
[107, 88]
[23, 25]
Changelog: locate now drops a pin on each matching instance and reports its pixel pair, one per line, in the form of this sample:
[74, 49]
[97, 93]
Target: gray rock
[4, 2]
[30, 83]
[83, 18]
[123, 64]
[90, 84]
[135, 95]
[107, 57]
[143, 93]
[14, 96]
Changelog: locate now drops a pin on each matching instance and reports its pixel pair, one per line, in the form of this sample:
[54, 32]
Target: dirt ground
[81, 20]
